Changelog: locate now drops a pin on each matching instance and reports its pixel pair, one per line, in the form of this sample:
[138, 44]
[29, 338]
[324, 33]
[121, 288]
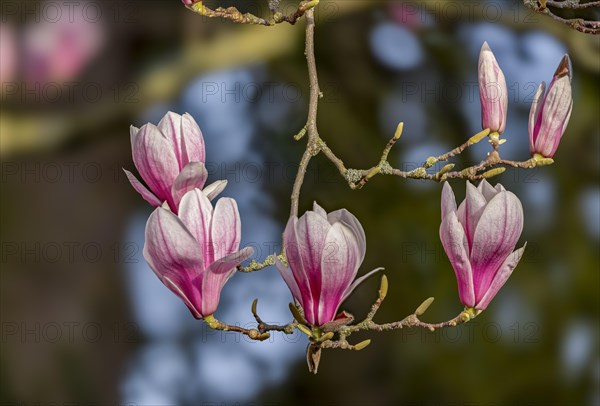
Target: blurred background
[85, 321]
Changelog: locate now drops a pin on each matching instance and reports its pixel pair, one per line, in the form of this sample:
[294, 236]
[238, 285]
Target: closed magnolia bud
[550, 112]
[492, 91]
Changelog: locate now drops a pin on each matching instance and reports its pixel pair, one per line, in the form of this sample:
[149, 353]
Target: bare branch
[579, 24]
[236, 16]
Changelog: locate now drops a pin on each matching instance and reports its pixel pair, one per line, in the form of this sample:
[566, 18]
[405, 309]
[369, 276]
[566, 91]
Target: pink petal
[358, 282]
[496, 235]
[319, 210]
[173, 254]
[349, 220]
[214, 189]
[133, 132]
[487, 190]
[311, 232]
[226, 229]
[296, 262]
[456, 246]
[448, 200]
[196, 212]
[470, 210]
[170, 127]
[339, 265]
[555, 115]
[217, 274]
[535, 116]
[155, 162]
[194, 140]
[501, 277]
[184, 136]
[193, 176]
[142, 190]
[288, 277]
[195, 303]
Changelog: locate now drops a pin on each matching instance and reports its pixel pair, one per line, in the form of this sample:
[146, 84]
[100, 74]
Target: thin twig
[236, 16]
[579, 24]
[254, 266]
[572, 4]
[313, 146]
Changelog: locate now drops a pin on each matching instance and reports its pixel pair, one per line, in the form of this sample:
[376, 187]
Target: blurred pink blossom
[8, 52]
[61, 50]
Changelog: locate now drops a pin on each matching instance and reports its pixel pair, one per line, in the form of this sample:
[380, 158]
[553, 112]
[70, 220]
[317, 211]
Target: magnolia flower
[550, 112]
[479, 238]
[59, 48]
[324, 252]
[9, 53]
[196, 252]
[170, 159]
[492, 92]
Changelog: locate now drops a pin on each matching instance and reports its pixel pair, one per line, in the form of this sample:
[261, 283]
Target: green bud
[304, 329]
[399, 130]
[429, 162]
[297, 316]
[493, 172]
[479, 136]
[383, 287]
[211, 321]
[424, 306]
[540, 160]
[310, 4]
[362, 345]
[326, 336]
[469, 314]
[446, 169]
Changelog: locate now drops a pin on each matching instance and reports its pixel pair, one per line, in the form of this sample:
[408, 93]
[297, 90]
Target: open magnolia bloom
[479, 238]
[550, 112]
[324, 252]
[196, 252]
[492, 91]
[170, 159]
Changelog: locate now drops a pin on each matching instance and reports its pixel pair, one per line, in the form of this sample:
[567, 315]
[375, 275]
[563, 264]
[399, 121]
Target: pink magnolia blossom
[170, 159]
[550, 112]
[9, 53]
[479, 238]
[324, 252]
[492, 91]
[58, 50]
[196, 252]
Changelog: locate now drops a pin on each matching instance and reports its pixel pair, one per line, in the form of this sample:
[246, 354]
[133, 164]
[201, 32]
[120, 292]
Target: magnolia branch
[491, 166]
[335, 334]
[579, 24]
[236, 16]
[313, 145]
[254, 265]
